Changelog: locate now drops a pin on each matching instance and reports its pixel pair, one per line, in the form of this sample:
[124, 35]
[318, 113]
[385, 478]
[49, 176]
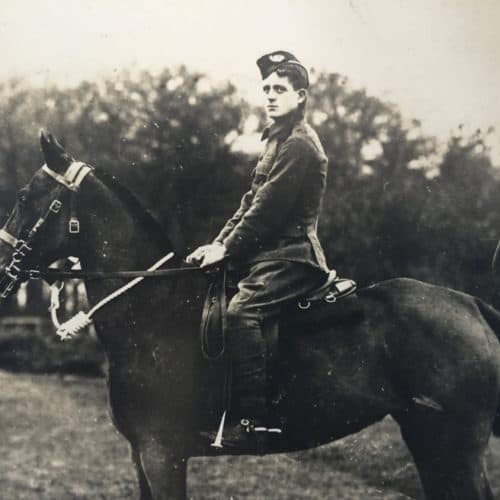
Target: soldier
[271, 239]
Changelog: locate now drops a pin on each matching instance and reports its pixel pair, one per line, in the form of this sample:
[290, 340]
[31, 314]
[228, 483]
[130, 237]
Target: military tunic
[277, 217]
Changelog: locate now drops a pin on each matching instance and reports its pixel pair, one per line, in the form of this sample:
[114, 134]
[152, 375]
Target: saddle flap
[213, 319]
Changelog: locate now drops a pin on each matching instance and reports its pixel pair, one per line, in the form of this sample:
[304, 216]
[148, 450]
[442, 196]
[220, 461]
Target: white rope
[71, 327]
[55, 303]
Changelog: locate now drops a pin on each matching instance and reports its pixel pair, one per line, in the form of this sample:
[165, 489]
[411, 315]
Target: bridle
[22, 247]
[14, 272]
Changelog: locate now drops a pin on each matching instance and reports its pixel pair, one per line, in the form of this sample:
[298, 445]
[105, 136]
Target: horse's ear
[44, 140]
[55, 156]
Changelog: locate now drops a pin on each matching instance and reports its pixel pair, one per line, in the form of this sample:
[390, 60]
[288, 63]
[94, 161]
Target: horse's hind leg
[449, 456]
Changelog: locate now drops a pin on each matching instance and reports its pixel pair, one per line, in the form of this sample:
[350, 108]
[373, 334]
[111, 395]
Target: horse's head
[39, 227]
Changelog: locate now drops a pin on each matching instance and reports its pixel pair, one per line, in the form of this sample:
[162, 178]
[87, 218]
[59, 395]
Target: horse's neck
[111, 237]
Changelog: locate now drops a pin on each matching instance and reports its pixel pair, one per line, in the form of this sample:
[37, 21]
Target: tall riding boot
[248, 353]
[248, 414]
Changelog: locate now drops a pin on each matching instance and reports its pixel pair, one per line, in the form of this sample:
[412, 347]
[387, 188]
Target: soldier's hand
[197, 256]
[215, 253]
[207, 254]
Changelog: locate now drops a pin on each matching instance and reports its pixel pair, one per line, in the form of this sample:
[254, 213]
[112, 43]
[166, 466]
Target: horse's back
[435, 313]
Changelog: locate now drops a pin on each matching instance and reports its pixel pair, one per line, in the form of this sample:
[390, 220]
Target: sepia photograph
[250, 250]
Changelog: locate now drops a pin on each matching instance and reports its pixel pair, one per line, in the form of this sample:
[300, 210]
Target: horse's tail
[492, 317]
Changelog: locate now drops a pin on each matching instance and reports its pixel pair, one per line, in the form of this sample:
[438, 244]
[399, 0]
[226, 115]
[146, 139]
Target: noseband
[71, 180]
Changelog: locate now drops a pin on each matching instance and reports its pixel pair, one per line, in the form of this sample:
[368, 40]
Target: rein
[55, 274]
[71, 327]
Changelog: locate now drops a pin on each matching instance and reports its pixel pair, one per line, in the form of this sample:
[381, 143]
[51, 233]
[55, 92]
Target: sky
[437, 59]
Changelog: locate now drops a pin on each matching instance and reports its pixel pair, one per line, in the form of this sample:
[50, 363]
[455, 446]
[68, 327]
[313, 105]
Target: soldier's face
[280, 98]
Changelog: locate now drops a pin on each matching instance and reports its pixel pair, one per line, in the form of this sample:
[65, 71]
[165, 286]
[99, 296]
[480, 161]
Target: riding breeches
[260, 295]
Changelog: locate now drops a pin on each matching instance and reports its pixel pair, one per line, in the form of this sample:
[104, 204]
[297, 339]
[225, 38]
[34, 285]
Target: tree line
[398, 202]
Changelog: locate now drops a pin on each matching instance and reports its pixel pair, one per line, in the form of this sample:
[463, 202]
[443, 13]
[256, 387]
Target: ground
[57, 442]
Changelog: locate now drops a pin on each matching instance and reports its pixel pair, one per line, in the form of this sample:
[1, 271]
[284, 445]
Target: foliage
[162, 134]
[398, 202]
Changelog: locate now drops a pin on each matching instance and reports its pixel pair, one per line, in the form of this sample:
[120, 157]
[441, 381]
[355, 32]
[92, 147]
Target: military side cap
[269, 63]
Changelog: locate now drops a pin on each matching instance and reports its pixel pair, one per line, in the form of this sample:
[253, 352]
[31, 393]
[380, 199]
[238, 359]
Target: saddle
[213, 331]
[213, 320]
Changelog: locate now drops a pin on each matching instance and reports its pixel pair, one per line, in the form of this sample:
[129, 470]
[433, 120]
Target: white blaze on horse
[428, 356]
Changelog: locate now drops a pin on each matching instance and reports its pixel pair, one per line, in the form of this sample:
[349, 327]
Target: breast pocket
[261, 172]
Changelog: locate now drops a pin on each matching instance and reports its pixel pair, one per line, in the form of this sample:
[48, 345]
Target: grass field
[57, 443]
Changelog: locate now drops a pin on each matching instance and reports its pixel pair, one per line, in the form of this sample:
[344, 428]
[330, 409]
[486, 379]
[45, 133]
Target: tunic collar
[282, 128]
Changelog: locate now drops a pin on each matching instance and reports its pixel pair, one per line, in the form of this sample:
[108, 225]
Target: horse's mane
[143, 216]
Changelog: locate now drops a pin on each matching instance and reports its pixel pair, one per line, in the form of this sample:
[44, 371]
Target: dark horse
[427, 356]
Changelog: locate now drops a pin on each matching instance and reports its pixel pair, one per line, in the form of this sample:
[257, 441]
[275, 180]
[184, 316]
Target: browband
[73, 176]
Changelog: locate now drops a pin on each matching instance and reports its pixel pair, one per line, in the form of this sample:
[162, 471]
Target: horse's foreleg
[144, 489]
[164, 470]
